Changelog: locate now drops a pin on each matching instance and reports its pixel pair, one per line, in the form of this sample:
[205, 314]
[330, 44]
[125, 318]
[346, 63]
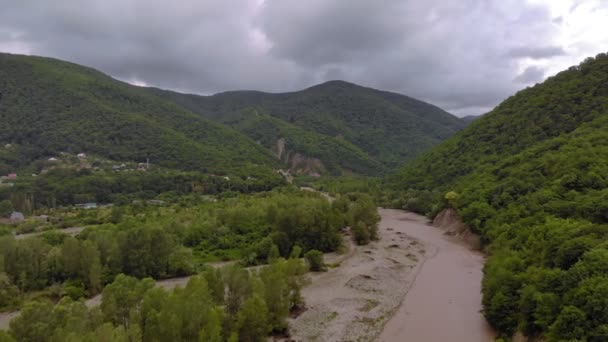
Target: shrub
[315, 260]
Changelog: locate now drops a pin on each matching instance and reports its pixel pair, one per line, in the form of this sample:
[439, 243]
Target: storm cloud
[465, 56]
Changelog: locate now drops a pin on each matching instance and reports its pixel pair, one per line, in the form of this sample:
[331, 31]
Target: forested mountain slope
[532, 178]
[48, 106]
[388, 128]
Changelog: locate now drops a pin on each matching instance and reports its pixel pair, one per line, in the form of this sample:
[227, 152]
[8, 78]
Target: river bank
[415, 284]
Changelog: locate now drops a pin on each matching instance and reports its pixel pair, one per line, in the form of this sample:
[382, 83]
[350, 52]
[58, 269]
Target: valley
[247, 215]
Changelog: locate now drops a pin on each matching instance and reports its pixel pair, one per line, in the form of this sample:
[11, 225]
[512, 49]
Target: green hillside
[531, 177]
[336, 154]
[389, 128]
[49, 106]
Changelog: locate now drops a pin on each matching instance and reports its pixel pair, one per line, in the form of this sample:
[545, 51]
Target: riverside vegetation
[126, 243]
[530, 177]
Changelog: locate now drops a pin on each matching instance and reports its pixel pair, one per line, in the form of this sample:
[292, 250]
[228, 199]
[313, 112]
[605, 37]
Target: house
[53, 160]
[81, 155]
[12, 176]
[17, 216]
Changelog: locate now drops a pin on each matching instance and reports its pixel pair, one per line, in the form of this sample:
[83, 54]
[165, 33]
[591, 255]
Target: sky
[465, 56]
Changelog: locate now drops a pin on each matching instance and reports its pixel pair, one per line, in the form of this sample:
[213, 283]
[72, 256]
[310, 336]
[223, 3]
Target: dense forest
[367, 125]
[49, 106]
[530, 177]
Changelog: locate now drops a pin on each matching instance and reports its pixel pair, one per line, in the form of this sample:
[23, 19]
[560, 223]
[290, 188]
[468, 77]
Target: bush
[361, 233]
[6, 208]
[315, 260]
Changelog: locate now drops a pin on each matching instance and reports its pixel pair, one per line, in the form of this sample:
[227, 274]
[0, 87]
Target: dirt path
[68, 231]
[444, 302]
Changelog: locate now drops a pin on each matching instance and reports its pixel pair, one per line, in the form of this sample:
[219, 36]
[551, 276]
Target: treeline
[232, 304]
[530, 177]
[62, 187]
[162, 242]
[384, 192]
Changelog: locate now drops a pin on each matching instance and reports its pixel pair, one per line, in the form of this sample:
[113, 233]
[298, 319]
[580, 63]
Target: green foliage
[6, 208]
[87, 111]
[348, 127]
[136, 310]
[363, 218]
[531, 179]
[315, 260]
[60, 187]
[169, 241]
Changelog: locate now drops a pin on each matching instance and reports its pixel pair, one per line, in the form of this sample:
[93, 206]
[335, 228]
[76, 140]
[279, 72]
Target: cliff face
[299, 164]
[451, 222]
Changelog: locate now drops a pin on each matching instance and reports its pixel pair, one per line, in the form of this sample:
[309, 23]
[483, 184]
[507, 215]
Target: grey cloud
[532, 74]
[451, 53]
[539, 52]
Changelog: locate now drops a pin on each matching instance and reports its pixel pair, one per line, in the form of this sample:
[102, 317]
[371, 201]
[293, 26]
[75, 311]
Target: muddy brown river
[444, 301]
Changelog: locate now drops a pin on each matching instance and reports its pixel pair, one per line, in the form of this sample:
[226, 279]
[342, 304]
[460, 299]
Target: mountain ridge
[390, 128]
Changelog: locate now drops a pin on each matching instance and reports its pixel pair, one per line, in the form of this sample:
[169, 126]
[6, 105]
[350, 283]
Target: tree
[275, 294]
[35, 323]
[6, 208]
[9, 294]
[273, 254]
[570, 324]
[252, 324]
[5, 337]
[215, 284]
[121, 296]
[180, 261]
[451, 198]
[238, 288]
[315, 260]
[212, 330]
[361, 233]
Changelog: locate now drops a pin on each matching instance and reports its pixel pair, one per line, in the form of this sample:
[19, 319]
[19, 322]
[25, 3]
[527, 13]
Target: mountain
[470, 118]
[49, 106]
[531, 178]
[337, 126]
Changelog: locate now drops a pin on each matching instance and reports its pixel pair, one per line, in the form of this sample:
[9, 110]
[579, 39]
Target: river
[440, 297]
[444, 302]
